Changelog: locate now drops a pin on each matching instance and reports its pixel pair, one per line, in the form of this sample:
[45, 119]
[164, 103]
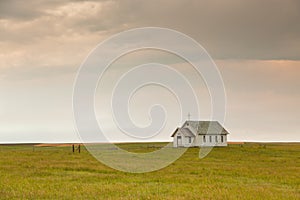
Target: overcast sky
[255, 44]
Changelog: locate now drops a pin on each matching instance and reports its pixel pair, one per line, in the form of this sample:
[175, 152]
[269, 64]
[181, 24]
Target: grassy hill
[240, 171]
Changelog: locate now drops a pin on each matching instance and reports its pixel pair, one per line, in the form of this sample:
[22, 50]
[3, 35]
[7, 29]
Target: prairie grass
[248, 171]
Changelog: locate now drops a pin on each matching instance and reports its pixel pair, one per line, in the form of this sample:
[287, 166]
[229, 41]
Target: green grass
[250, 171]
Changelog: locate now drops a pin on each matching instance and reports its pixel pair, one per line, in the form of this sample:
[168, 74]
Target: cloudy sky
[255, 44]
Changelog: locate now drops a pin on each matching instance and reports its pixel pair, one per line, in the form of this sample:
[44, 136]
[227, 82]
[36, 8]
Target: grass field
[248, 171]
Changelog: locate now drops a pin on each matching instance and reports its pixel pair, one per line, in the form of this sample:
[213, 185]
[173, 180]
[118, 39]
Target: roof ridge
[202, 121]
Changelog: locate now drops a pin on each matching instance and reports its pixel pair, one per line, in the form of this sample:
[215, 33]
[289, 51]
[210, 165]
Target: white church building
[200, 133]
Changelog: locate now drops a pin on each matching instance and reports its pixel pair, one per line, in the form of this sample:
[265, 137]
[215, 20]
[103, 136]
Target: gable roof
[175, 132]
[185, 131]
[203, 128]
[208, 127]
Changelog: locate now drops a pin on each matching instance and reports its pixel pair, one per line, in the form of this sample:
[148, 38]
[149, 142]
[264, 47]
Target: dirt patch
[56, 145]
[236, 142]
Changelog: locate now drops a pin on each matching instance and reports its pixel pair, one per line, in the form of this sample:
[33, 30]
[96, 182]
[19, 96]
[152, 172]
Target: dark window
[216, 138]
[190, 139]
[210, 138]
[204, 138]
[178, 137]
[222, 138]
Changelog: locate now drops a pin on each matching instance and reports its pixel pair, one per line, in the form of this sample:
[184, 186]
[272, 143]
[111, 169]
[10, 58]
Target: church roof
[203, 128]
[187, 131]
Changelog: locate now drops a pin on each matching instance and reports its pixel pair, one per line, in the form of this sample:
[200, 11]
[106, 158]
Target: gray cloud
[28, 10]
[18, 10]
[232, 29]
[228, 29]
[43, 42]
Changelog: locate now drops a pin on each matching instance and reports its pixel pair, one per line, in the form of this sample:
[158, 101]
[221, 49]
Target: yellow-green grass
[248, 171]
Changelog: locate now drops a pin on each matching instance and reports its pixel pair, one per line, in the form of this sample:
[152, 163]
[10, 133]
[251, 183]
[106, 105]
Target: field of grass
[248, 171]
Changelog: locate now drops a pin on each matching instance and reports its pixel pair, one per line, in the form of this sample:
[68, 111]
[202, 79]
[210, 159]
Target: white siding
[210, 140]
[185, 141]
